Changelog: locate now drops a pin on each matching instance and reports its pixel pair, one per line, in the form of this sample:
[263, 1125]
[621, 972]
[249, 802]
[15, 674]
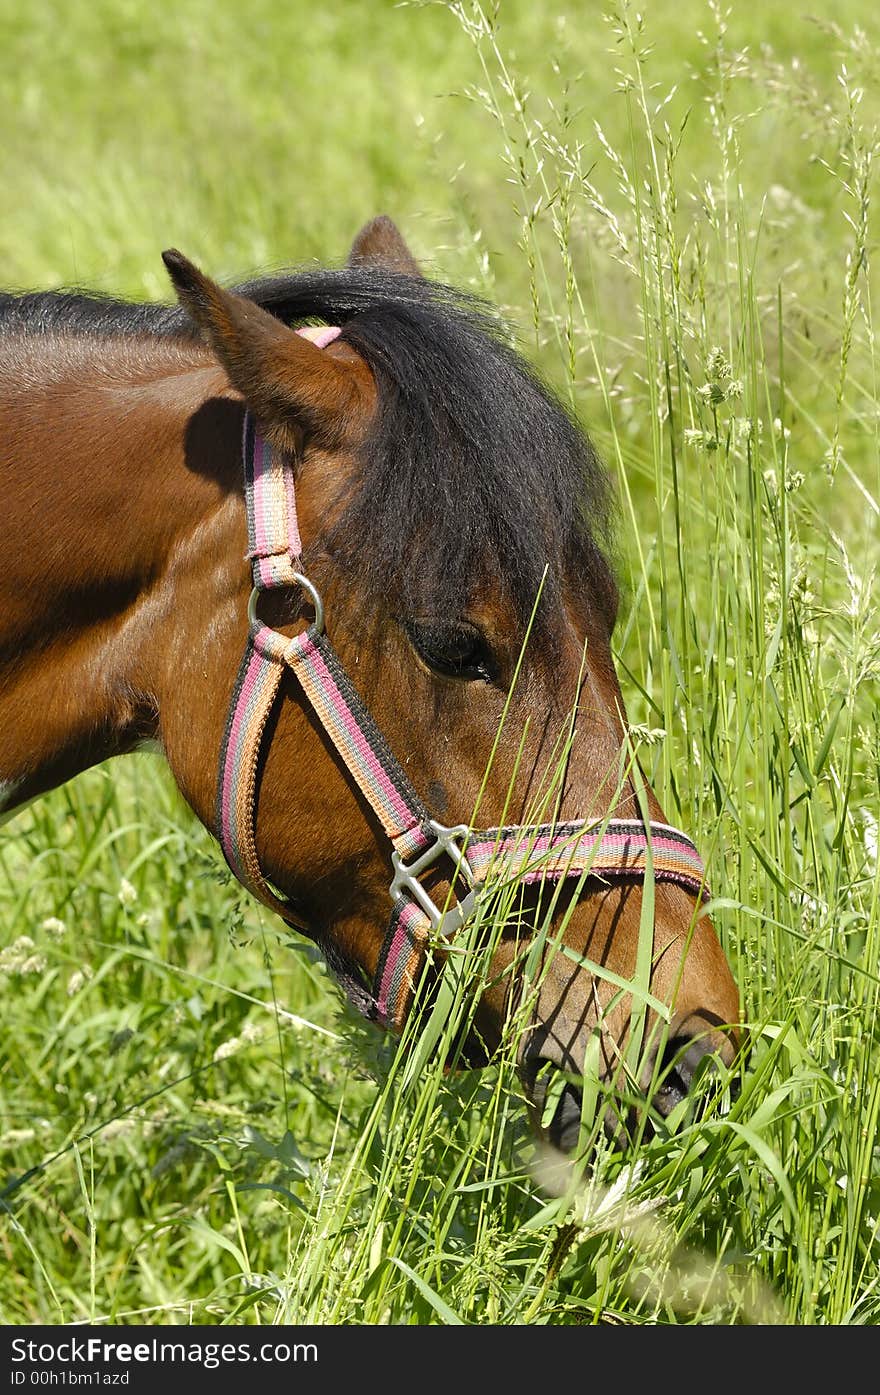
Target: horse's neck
[118, 475]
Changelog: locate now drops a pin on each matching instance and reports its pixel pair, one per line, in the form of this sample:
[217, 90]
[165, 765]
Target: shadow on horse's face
[451, 519]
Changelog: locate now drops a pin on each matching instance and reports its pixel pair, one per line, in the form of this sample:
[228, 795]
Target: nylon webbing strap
[274, 545]
[363, 749]
[547, 852]
[253, 698]
[401, 960]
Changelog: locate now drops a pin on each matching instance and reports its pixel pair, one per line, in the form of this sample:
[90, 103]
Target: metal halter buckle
[452, 841]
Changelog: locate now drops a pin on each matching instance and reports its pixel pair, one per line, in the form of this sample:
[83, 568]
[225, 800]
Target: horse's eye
[454, 650]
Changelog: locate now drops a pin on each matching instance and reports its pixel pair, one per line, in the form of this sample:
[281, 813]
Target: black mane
[87, 313]
[473, 463]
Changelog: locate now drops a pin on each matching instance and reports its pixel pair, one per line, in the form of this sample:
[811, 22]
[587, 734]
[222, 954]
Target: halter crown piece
[612, 848]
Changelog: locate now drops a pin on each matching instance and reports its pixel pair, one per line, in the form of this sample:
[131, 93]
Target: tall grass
[191, 1126]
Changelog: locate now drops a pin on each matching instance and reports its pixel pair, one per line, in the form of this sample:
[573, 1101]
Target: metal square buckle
[452, 841]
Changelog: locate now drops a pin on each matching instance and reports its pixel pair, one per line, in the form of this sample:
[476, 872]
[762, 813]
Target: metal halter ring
[311, 591]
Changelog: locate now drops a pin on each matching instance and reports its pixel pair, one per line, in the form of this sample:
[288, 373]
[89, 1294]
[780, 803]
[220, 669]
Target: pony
[333, 545]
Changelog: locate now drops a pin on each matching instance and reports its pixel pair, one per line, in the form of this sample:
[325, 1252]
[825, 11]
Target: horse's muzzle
[693, 1056]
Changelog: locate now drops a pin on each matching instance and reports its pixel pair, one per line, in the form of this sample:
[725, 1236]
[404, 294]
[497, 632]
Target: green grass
[190, 1126]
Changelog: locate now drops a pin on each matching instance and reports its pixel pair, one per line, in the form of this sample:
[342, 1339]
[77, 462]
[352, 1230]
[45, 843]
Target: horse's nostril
[683, 1062]
[555, 1102]
[561, 1116]
[564, 1126]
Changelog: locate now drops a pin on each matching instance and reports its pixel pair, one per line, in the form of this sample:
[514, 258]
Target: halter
[607, 848]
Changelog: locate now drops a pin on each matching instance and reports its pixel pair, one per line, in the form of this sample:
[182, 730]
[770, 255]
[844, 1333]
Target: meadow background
[673, 210]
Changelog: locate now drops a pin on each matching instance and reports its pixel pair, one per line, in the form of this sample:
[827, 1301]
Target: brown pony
[448, 509]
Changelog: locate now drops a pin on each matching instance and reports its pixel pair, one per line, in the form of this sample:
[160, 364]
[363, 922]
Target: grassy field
[675, 213]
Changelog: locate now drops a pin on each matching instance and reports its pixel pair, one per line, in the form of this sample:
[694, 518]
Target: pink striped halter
[615, 848]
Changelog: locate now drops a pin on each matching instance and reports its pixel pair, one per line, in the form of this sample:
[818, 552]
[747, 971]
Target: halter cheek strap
[608, 849]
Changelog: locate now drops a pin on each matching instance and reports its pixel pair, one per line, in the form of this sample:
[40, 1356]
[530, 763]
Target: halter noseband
[609, 848]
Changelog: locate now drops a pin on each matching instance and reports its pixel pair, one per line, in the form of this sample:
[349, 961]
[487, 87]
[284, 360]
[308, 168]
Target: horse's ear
[292, 387]
[380, 243]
